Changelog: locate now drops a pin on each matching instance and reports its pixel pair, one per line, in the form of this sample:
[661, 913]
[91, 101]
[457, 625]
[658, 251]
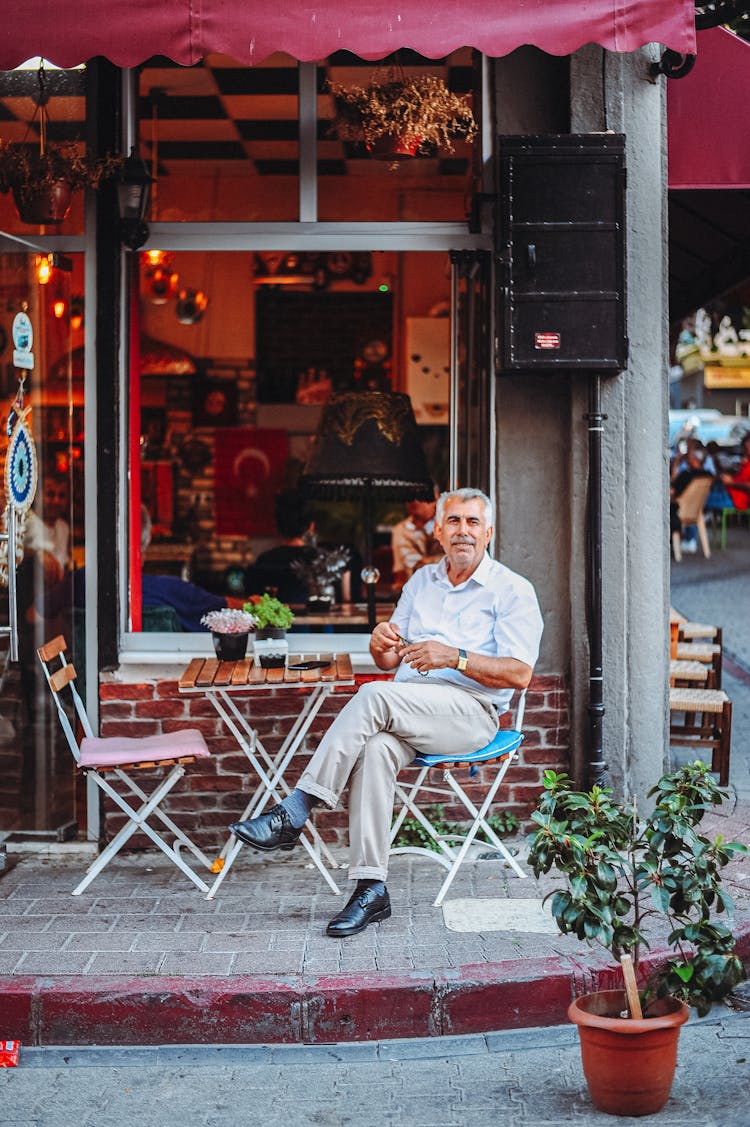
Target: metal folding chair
[119, 757]
[452, 849]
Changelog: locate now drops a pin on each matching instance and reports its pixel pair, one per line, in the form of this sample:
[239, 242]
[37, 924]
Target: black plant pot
[230, 647]
[319, 604]
[268, 656]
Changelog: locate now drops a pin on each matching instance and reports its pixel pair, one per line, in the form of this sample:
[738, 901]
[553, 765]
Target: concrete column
[616, 92]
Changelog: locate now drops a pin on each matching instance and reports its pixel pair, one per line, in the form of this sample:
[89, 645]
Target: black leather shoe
[365, 906]
[269, 831]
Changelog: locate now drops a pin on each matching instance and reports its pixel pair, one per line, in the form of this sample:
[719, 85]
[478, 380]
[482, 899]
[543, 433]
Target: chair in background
[690, 506]
[121, 757]
[416, 796]
[709, 653]
[720, 518]
[700, 632]
[686, 674]
[701, 719]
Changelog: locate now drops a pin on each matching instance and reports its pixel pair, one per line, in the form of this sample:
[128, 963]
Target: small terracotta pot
[629, 1065]
[49, 203]
[391, 147]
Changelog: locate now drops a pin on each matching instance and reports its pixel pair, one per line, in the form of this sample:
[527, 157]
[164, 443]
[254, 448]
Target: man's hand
[427, 655]
[386, 646]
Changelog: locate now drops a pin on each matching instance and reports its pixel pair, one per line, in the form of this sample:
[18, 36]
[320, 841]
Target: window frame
[306, 234]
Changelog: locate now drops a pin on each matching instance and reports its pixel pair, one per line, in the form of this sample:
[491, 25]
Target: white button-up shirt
[495, 612]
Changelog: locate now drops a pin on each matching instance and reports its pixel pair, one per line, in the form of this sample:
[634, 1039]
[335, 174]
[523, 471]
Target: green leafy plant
[420, 109]
[621, 870]
[268, 611]
[413, 833]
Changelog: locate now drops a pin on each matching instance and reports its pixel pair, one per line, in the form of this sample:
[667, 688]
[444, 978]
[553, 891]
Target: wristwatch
[462, 662]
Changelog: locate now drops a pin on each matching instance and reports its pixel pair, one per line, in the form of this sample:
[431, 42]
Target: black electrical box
[561, 230]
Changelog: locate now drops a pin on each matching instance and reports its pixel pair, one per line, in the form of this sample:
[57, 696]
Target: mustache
[461, 540]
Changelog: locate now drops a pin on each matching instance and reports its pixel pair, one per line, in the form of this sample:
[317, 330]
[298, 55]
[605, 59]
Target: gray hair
[466, 494]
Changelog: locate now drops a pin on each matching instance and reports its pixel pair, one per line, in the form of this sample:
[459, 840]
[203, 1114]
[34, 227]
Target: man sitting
[464, 636]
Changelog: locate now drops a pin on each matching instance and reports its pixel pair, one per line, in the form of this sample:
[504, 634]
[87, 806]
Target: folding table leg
[270, 773]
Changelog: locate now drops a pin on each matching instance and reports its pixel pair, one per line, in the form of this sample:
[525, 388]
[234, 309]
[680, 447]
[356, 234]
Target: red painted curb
[107, 1010]
[248, 1009]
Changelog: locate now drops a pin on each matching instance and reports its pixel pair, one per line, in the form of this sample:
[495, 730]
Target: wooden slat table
[220, 681]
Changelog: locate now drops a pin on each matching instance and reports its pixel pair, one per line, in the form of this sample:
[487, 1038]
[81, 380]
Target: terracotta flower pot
[391, 147]
[629, 1065]
[42, 204]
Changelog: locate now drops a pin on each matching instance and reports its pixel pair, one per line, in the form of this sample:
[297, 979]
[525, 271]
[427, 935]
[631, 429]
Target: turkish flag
[249, 466]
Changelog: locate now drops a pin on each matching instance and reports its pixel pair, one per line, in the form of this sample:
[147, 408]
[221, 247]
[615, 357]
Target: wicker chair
[701, 719]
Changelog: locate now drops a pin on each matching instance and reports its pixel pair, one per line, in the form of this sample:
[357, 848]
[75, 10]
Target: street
[524, 1077]
[529, 1077]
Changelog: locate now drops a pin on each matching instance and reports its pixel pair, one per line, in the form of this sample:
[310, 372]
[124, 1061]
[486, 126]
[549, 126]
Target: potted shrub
[398, 117]
[43, 177]
[620, 870]
[231, 630]
[273, 618]
[319, 571]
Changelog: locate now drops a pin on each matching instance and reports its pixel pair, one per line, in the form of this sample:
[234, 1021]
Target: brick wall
[213, 792]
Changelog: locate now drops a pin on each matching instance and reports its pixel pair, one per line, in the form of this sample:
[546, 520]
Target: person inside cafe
[738, 483]
[272, 570]
[464, 636]
[47, 531]
[188, 601]
[693, 468]
[413, 542]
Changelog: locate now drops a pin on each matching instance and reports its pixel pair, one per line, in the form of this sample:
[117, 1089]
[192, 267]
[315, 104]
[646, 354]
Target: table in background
[218, 681]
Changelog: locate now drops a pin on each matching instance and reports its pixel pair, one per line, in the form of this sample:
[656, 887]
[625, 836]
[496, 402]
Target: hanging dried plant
[26, 165]
[421, 111]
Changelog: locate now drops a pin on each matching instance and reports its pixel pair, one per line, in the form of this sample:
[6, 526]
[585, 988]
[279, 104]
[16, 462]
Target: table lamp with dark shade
[368, 447]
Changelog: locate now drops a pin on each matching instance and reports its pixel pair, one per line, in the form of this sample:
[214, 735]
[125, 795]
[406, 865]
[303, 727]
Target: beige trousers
[378, 732]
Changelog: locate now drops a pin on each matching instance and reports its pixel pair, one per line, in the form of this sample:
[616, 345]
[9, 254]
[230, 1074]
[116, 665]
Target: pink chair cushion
[114, 750]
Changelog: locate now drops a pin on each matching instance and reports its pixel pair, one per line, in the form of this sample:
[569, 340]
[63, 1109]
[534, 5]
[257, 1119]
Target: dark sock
[365, 883]
[298, 806]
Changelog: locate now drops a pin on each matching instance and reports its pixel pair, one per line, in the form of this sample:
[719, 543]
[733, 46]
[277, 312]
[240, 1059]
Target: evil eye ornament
[21, 468]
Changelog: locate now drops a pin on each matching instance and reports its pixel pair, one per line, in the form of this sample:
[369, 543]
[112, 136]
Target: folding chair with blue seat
[452, 849]
[120, 755]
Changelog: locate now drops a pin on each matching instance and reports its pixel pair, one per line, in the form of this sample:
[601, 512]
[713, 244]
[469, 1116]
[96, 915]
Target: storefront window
[41, 386]
[224, 143]
[222, 140]
[231, 394]
[241, 349]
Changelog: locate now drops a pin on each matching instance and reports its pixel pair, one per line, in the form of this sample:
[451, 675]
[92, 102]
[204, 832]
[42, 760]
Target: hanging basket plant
[396, 117]
[43, 175]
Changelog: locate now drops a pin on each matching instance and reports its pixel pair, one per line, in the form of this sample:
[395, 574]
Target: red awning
[129, 31]
[708, 115]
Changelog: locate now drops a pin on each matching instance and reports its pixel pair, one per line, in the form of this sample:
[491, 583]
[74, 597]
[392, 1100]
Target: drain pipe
[596, 765]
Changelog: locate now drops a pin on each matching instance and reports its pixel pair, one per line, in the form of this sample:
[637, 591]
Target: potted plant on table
[619, 871]
[231, 630]
[272, 618]
[396, 116]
